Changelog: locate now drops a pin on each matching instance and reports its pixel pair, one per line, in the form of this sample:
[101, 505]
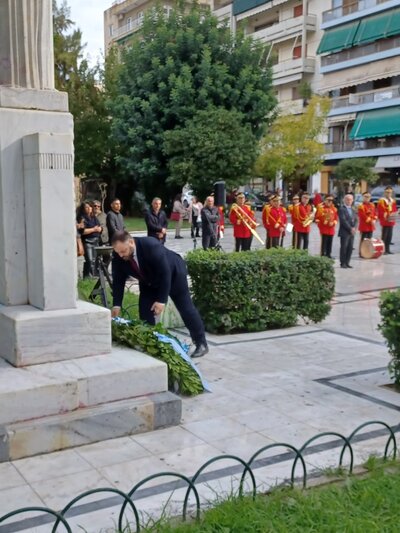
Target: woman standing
[90, 236]
[195, 217]
[178, 212]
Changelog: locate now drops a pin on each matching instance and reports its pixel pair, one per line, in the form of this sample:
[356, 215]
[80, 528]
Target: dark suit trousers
[181, 297]
[387, 235]
[302, 238]
[346, 248]
[326, 245]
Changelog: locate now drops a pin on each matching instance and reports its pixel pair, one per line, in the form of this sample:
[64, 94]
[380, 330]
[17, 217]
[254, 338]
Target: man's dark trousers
[346, 247]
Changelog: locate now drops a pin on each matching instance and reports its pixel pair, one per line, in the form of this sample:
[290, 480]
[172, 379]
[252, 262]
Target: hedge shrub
[259, 290]
[389, 307]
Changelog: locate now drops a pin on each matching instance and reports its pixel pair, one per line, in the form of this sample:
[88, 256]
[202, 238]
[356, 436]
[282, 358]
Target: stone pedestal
[74, 388]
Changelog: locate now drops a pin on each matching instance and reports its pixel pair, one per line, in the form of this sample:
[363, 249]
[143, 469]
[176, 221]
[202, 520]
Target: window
[110, 30]
[297, 52]
[298, 11]
[129, 22]
[296, 93]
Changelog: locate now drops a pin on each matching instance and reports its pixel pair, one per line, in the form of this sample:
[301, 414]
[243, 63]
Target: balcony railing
[379, 95]
[224, 12]
[286, 28]
[361, 51]
[362, 144]
[293, 66]
[347, 9]
[133, 25]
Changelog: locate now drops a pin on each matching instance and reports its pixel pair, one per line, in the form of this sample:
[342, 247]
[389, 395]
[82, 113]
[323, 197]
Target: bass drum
[372, 248]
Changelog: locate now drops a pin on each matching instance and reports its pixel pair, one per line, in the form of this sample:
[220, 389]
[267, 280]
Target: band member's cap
[274, 197]
[240, 195]
[367, 194]
[329, 197]
[388, 188]
[296, 196]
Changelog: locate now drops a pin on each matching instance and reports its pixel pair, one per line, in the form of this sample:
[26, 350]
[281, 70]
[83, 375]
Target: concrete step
[89, 424]
[47, 389]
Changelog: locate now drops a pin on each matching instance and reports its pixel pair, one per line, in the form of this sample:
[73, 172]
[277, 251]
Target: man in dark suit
[161, 273]
[156, 221]
[347, 230]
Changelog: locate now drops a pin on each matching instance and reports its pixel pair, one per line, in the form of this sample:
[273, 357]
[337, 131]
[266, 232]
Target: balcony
[381, 146]
[377, 96]
[223, 13]
[131, 27]
[292, 68]
[291, 107]
[350, 8]
[286, 29]
[361, 51]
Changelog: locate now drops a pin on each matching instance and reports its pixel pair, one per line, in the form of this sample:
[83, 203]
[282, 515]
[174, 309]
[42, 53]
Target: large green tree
[215, 144]
[181, 65]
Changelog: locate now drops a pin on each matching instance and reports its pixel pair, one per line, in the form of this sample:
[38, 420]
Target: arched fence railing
[297, 455]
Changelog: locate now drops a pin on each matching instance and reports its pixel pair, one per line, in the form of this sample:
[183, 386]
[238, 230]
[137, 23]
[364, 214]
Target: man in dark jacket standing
[209, 224]
[115, 221]
[347, 230]
[156, 221]
[161, 273]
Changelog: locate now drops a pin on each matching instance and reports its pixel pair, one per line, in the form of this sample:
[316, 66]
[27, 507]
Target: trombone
[247, 221]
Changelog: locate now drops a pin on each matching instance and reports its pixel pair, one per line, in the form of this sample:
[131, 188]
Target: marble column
[26, 44]
[39, 311]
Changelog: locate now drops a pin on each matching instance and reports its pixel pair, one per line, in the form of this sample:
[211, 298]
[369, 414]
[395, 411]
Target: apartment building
[123, 20]
[360, 68]
[292, 28]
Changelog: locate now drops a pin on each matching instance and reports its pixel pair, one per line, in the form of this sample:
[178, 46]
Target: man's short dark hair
[120, 236]
[115, 200]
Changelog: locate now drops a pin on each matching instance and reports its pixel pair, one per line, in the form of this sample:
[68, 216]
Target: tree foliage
[293, 148]
[89, 89]
[213, 145]
[355, 169]
[183, 64]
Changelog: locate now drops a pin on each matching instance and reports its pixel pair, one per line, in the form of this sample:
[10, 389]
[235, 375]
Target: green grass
[130, 303]
[368, 505]
[138, 224]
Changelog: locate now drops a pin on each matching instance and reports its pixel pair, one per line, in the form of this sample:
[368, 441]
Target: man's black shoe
[349, 266]
[200, 350]
[343, 266]
[178, 237]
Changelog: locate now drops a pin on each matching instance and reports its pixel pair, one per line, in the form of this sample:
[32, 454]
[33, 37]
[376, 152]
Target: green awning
[377, 27]
[338, 38]
[376, 123]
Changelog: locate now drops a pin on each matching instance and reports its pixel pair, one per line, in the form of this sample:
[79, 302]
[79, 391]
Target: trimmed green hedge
[389, 307]
[259, 290]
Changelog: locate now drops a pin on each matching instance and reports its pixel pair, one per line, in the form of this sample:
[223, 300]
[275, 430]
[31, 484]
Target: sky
[88, 17]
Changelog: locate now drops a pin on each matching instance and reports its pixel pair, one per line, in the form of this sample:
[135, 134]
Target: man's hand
[157, 308]
[115, 311]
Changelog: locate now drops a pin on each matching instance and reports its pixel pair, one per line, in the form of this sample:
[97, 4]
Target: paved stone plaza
[274, 386]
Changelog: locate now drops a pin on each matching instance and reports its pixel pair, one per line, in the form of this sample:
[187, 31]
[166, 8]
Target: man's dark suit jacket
[347, 222]
[155, 222]
[159, 267]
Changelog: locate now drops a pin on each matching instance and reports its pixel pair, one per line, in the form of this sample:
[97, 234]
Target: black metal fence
[297, 454]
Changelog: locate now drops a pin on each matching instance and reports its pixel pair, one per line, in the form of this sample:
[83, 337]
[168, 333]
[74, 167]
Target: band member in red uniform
[327, 218]
[274, 221]
[302, 218]
[366, 218]
[387, 217]
[241, 217]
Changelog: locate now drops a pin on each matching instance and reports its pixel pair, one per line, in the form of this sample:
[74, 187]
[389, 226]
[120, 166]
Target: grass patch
[138, 224]
[130, 304]
[359, 505]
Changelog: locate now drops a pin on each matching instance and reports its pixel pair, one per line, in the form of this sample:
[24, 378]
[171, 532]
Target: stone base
[89, 425]
[30, 336]
[53, 406]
